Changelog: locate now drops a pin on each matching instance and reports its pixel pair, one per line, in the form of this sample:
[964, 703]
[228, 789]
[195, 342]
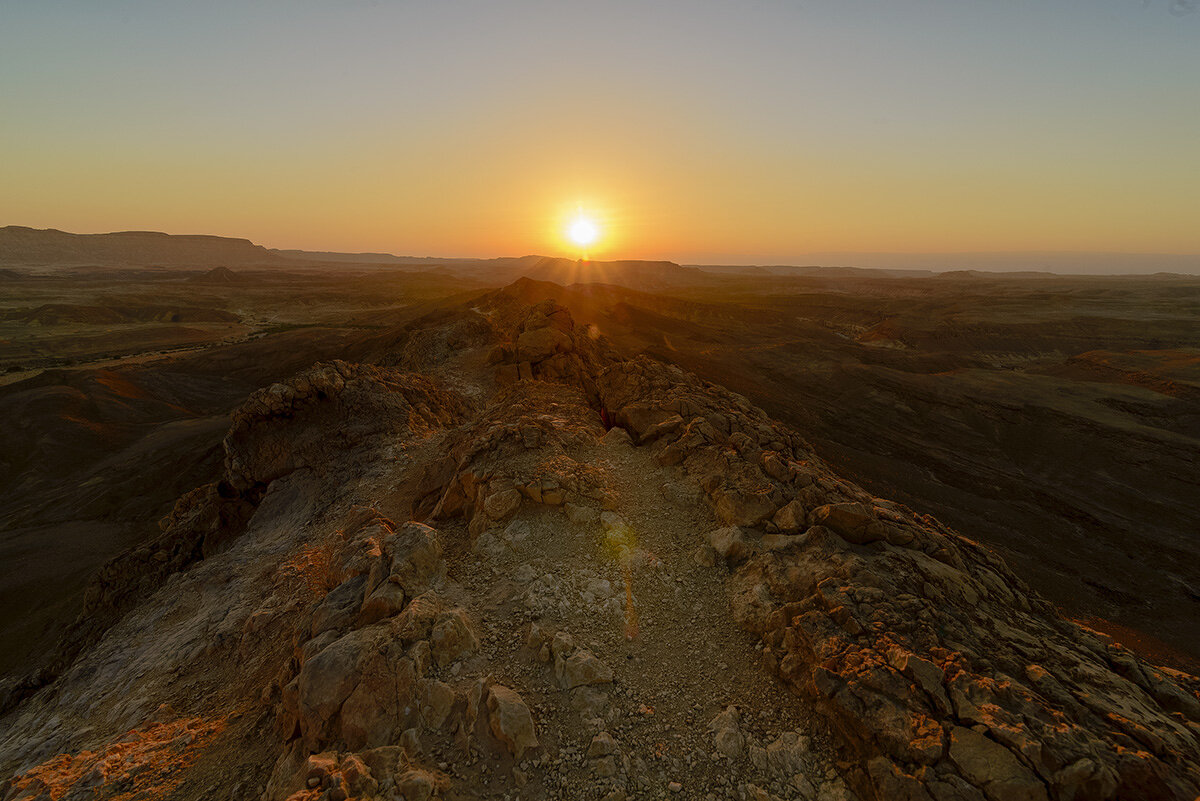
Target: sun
[583, 231]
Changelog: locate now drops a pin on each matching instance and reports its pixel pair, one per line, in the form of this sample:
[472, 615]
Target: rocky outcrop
[331, 407]
[361, 665]
[362, 675]
[492, 644]
[750, 467]
[943, 675]
[430, 345]
[545, 343]
[517, 453]
[303, 423]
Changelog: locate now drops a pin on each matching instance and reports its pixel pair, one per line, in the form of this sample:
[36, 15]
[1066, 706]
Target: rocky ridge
[540, 570]
[939, 671]
[34, 246]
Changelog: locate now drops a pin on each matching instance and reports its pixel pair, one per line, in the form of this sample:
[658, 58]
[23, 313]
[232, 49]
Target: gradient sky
[696, 131]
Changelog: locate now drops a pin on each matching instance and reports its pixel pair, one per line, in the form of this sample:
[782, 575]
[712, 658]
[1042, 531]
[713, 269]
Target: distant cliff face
[36, 247]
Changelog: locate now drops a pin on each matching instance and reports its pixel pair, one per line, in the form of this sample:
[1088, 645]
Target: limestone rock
[581, 668]
[420, 785]
[602, 745]
[744, 506]
[659, 429]
[730, 544]
[436, 700]
[417, 561]
[501, 504]
[510, 720]
[385, 601]
[452, 637]
[326, 681]
[785, 755]
[727, 736]
[852, 521]
[791, 518]
[541, 343]
[282, 428]
[992, 767]
[383, 701]
[339, 607]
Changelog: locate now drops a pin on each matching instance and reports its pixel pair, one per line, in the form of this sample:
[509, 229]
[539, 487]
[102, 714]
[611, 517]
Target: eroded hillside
[1055, 420]
[494, 558]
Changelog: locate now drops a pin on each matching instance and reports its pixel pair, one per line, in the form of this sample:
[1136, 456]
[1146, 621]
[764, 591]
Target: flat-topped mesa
[943, 674]
[21, 245]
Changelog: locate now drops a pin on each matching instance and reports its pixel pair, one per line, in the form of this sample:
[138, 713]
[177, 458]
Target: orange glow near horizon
[934, 138]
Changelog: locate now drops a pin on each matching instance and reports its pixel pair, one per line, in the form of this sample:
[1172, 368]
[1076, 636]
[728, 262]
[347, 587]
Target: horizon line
[799, 260]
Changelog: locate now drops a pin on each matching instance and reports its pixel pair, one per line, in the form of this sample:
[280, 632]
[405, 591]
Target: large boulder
[326, 681]
[727, 735]
[854, 522]
[416, 558]
[510, 720]
[743, 506]
[993, 768]
[790, 519]
[540, 344]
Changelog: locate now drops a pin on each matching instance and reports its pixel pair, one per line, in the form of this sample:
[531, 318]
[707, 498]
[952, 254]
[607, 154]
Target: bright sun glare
[583, 231]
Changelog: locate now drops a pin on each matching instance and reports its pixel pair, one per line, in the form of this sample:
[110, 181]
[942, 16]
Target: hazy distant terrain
[1054, 262]
[315, 512]
[38, 247]
[1032, 264]
[1057, 419]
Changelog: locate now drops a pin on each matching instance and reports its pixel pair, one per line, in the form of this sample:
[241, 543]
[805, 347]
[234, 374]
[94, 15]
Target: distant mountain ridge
[356, 258]
[634, 273]
[20, 245]
[1064, 262]
[810, 271]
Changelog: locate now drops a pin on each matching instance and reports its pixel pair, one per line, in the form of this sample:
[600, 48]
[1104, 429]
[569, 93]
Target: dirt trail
[686, 664]
[572, 617]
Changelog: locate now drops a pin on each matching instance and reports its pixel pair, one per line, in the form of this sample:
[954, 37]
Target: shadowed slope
[619, 571]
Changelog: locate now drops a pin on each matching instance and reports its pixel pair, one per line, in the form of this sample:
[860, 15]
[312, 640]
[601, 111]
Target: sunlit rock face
[539, 568]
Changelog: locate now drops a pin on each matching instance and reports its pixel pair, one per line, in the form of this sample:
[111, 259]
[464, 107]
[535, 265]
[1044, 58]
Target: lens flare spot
[621, 542]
